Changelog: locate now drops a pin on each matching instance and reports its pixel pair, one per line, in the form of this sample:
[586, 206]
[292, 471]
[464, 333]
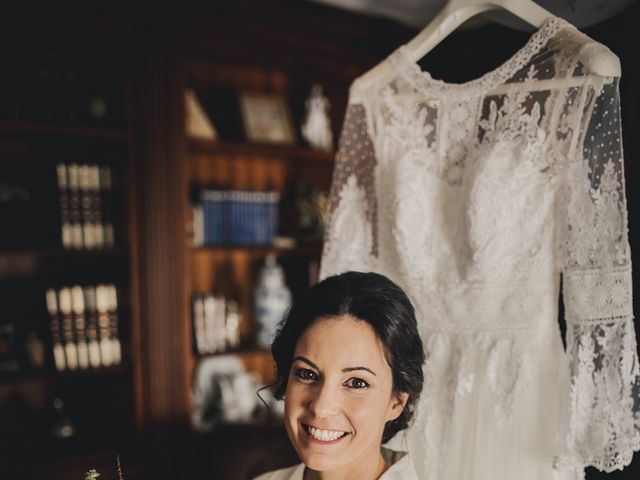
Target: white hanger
[596, 57]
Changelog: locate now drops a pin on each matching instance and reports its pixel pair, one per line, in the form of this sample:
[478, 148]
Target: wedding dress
[484, 200]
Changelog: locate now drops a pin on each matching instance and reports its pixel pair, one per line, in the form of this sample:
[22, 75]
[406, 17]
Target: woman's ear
[396, 405]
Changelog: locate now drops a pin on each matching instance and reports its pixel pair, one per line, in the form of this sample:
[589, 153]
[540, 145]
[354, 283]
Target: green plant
[91, 475]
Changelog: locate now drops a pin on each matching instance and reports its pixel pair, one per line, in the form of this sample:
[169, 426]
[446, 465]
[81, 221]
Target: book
[220, 334]
[56, 330]
[67, 328]
[197, 225]
[114, 332]
[104, 331]
[106, 184]
[63, 200]
[86, 208]
[79, 326]
[235, 217]
[91, 314]
[199, 328]
[75, 217]
[96, 206]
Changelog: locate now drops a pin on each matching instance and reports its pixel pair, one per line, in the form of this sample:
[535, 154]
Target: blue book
[213, 206]
[206, 214]
[274, 198]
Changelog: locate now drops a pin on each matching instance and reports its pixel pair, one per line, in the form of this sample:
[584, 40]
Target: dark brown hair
[367, 297]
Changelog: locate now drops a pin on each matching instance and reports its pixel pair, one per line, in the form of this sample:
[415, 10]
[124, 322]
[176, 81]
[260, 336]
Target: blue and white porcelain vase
[271, 299]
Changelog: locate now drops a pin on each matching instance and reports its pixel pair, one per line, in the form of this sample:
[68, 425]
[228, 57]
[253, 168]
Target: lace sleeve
[350, 236]
[601, 344]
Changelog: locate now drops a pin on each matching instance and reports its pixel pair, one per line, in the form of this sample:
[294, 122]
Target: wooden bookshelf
[34, 260]
[248, 150]
[258, 250]
[40, 128]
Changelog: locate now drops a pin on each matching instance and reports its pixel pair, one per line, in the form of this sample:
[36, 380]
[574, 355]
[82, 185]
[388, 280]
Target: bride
[349, 367]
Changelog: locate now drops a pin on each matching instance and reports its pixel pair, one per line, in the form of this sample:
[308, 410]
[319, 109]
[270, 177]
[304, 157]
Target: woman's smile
[323, 436]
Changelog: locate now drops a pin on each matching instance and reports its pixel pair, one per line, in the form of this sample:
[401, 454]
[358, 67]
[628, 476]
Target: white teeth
[325, 435]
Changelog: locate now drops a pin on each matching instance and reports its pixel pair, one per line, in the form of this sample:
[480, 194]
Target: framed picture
[266, 118]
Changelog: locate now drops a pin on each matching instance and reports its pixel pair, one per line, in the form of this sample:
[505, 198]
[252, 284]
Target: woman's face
[338, 395]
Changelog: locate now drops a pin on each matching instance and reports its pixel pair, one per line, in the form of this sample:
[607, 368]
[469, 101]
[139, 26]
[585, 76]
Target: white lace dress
[484, 200]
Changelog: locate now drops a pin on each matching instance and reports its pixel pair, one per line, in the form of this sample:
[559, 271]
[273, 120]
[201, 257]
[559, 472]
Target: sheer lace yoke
[422, 80]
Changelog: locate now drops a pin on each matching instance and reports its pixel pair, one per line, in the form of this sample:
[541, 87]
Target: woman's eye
[305, 374]
[356, 382]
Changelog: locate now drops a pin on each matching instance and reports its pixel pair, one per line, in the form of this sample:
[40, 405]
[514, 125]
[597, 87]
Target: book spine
[70, 347]
[79, 325]
[56, 330]
[232, 208]
[209, 323]
[197, 219]
[104, 332]
[225, 215]
[114, 325]
[92, 326]
[253, 225]
[219, 319]
[199, 323]
[273, 216]
[65, 216]
[218, 217]
[96, 208]
[106, 185]
[86, 211]
[263, 219]
[74, 206]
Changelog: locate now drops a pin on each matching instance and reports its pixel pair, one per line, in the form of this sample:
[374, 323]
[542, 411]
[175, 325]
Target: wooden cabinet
[65, 102]
[236, 163]
[230, 47]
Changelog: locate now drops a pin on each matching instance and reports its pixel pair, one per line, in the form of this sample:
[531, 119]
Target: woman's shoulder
[289, 473]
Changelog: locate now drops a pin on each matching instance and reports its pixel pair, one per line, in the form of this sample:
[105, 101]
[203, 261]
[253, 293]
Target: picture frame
[266, 118]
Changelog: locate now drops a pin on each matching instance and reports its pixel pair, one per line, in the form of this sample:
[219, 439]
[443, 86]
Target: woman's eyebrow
[348, 369]
[306, 360]
[351, 369]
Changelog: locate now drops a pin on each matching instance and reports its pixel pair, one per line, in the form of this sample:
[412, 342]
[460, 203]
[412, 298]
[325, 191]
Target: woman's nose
[324, 401]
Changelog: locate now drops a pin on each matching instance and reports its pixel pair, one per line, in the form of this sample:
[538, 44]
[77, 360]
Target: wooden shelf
[243, 352]
[203, 146]
[60, 252]
[22, 377]
[306, 250]
[40, 128]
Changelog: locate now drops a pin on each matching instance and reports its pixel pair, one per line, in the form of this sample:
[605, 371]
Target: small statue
[316, 128]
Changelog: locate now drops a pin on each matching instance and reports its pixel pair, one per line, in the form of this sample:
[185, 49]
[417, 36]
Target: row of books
[84, 326]
[85, 193]
[216, 323]
[235, 217]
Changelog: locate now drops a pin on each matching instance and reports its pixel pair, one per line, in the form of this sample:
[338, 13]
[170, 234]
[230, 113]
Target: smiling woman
[349, 367]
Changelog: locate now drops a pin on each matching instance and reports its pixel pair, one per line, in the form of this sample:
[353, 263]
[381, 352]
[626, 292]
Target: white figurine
[316, 128]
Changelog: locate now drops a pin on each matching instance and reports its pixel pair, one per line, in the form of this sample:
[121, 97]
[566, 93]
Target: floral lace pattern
[423, 81]
[477, 204]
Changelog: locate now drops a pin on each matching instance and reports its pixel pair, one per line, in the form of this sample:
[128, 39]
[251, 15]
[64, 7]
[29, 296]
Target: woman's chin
[319, 462]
